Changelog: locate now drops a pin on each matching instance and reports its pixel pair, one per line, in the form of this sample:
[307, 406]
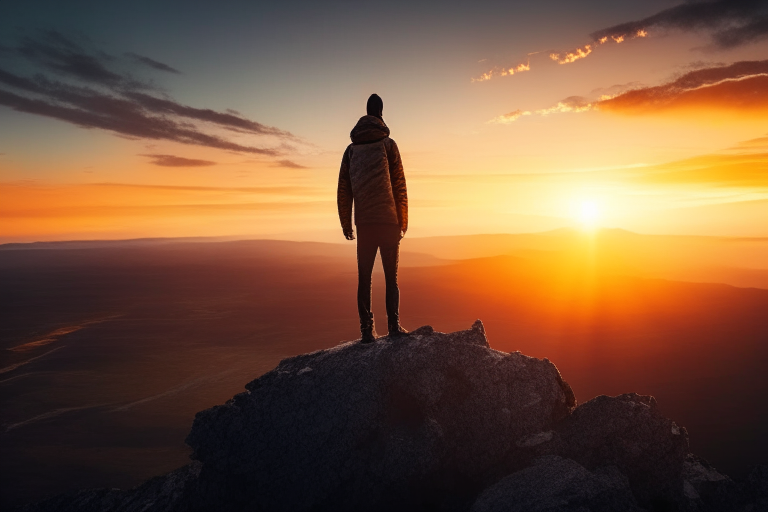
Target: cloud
[761, 143]
[227, 120]
[87, 88]
[731, 22]
[296, 190]
[717, 170]
[504, 71]
[569, 104]
[740, 86]
[164, 210]
[290, 164]
[60, 54]
[510, 117]
[152, 63]
[177, 161]
[737, 36]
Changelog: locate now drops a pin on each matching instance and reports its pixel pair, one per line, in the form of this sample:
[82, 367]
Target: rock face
[556, 484]
[408, 423]
[430, 421]
[157, 494]
[628, 432]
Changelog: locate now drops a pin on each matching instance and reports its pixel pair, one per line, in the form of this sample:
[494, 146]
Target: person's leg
[390, 256]
[366, 255]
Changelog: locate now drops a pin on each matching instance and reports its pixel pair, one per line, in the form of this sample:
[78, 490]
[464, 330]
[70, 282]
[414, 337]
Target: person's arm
[344, 198]
[399, 189]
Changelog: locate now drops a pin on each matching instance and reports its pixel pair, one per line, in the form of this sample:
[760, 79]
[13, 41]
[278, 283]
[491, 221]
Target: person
[372, 177]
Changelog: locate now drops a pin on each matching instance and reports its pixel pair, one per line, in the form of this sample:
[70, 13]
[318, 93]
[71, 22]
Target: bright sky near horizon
[154, 119]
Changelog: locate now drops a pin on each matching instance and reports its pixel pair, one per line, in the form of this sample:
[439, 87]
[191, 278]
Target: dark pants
[370, 238]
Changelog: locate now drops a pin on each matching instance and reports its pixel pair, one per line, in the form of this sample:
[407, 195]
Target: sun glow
[588, 213]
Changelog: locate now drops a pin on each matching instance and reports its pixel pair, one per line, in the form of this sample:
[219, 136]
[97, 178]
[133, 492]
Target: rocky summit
[429, 421]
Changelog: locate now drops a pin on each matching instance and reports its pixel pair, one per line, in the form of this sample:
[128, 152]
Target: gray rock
[706, 489]
[155, 495]
[418, 422]
[628, 432]
[554, 484]
[755, 493]
[430, 421]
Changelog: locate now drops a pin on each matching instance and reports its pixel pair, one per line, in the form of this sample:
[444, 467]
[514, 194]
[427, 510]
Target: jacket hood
[368, 129]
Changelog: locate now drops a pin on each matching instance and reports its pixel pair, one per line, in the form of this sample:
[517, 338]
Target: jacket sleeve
[399, 189]
[344, 194]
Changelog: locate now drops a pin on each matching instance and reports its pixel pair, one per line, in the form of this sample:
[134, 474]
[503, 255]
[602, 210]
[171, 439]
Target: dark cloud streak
[734, 22]
[289, 164]
[732, 37]
[94, 110]
[152, 63]
[57, 53]
[742, 86]
[90, 94]
[225, 120]
[178, 161]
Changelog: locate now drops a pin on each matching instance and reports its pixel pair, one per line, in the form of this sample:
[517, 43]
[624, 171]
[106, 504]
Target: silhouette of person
[372, 178]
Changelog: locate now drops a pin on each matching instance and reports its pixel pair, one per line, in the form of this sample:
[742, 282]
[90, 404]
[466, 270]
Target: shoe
[368, 336]
[396, 330]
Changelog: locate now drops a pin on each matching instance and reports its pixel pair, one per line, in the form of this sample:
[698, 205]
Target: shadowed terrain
[110, 349]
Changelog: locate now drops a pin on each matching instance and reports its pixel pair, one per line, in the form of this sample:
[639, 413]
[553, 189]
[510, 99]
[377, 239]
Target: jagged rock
[430, 421]
[755, 493]
[554, 484]
[705, 488]
[155, 495]
[629, 432]
[421, 421]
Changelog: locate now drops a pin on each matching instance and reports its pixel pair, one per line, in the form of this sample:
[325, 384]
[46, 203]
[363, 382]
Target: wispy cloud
[290, 164]
[89, 88]
[152, 63]
[758, 144]
[717, 170]
[177, 161]
[505, 71]
[729, 23]
[569, 104]
[269, 190]
[510, 117]
[742, 86]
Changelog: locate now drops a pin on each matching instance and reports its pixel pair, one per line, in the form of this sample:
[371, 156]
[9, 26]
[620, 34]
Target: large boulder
[555, 484]
[423, 421]
[706, 489]
[626, 432]
[429, 421]
[629, 432]
[159, 494]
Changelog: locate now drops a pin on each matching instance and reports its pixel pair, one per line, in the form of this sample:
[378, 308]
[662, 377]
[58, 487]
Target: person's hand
[402, 234]
[349, 235]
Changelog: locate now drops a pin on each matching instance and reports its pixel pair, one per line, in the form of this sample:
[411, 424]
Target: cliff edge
[429, 421]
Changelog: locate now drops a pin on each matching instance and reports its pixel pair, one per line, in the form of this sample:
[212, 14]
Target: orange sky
[655, 134]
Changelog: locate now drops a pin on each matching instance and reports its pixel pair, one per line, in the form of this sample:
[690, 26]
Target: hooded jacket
[372, 177]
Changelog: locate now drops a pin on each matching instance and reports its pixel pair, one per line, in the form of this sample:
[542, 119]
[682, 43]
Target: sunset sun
[588, 213]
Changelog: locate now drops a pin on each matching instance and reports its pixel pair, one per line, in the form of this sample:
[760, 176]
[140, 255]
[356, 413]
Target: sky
[166, 119]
